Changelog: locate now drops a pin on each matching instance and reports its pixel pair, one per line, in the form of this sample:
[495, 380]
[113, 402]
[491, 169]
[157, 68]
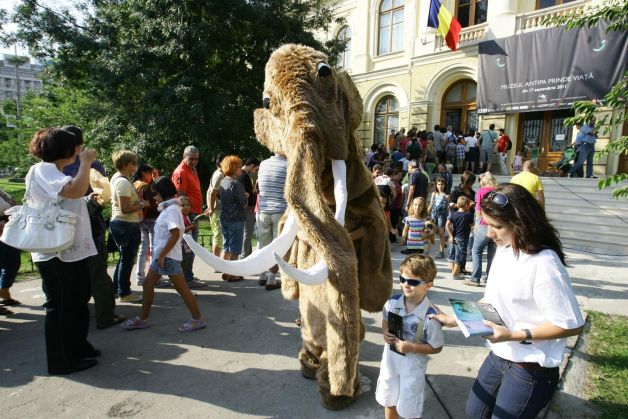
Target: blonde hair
[462, 201]
[487, 179]
[423, 211]
[421, 266]
[122, 158]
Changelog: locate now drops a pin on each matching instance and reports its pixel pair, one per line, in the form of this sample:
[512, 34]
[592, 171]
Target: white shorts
[401, 383]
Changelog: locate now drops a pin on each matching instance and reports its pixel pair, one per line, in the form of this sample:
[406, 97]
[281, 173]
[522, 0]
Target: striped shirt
[271, 180]
[416, 228]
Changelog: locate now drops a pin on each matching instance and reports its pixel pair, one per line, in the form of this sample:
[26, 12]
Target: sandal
[225, 277]
[136, 323]
[192, 325]
[117, 319]
[10, 302]
[5, 311]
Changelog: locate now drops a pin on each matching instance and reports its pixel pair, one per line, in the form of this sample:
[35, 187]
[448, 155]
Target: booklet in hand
[470, 317]
[395, 326]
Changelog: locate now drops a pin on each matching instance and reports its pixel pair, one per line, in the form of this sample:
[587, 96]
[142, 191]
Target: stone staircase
[587, 218]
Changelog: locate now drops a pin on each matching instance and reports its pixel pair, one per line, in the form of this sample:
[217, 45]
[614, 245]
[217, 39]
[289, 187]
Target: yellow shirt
[528, 180]
[121, 186]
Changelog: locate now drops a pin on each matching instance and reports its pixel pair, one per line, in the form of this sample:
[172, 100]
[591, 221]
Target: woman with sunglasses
[530, 288]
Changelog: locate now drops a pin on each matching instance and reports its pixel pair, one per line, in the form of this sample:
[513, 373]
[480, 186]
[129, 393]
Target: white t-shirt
[45, 182]
[528, 290]
[471, 141]
[169, 218]
[406, 163]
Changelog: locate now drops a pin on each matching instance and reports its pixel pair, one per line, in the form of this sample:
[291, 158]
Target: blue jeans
[506, 390]
[481, 241]
[127, 237]
[586, 151]
[188, 272]
[9, 265]
[147, 232]
[232, 235]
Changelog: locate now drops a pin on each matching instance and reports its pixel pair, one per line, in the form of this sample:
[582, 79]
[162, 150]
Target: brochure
[395, 326]
[470, 317]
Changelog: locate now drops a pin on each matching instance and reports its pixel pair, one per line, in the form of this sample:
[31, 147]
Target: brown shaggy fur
[312, 120]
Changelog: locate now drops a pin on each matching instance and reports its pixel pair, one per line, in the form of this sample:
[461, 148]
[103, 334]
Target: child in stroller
[567, 160]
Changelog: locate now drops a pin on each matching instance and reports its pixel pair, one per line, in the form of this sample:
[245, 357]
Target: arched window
[390, 26]
[344, 58]
[459, 108]
[386, 118]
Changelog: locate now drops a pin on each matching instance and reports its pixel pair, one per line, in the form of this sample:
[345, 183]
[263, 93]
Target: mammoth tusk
[256, 262]
[339, 170]
[315, 275]
[318, 273]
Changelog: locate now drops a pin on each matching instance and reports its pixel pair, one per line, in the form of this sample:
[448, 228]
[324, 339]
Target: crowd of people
[151, 213]
[149, 216]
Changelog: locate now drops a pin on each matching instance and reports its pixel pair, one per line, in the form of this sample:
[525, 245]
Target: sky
[10, 4]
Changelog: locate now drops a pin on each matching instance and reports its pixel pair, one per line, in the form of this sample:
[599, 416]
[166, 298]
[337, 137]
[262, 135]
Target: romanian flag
[446, 25]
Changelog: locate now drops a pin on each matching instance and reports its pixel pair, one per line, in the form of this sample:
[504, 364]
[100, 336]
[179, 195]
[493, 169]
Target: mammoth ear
[353, 101]
[323, 69]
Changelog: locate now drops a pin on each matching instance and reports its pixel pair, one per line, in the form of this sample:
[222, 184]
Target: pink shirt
[479, 195]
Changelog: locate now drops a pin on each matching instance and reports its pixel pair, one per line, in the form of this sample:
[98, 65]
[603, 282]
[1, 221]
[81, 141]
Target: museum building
[407, 76]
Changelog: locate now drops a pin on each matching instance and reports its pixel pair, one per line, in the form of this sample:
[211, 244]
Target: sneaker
[263, 278]
[275, 284]
[472, 283]
[195, 283]
[131, 298]
[136, 323]
[465, 272]
[457, 277]
[139, 282]
[192, 325]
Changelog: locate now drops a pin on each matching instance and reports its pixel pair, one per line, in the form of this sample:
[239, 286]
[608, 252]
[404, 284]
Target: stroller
[566, 162]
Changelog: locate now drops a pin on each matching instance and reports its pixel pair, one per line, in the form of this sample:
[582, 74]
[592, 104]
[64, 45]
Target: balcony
[531, 21]
[470, 35]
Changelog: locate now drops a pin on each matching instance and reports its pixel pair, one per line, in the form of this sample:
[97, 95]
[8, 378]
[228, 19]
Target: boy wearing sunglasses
[401, 383]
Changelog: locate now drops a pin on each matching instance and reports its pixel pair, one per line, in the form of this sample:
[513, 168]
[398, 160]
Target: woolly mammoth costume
[335, 236]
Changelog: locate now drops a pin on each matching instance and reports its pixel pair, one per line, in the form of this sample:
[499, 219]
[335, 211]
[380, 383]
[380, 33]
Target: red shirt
[186, 180]
[502, 143]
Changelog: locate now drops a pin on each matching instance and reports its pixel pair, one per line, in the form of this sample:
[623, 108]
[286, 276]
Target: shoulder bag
[47, 230]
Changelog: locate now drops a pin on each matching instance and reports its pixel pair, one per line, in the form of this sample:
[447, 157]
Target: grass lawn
[16, 190]
[608, 347]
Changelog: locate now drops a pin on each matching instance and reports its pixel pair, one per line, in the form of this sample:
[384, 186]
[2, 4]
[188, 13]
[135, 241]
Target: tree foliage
[613, 107]
[164, 73]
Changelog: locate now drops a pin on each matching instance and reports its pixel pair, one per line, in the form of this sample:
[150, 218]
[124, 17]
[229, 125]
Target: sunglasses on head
[411, 282]
[497, 198]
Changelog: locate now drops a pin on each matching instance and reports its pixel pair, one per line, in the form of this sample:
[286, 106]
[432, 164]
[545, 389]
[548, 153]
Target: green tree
[615, 12]
[170, 73]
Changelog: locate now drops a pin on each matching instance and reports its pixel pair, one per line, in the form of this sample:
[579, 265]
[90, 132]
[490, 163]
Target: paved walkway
[244, 364]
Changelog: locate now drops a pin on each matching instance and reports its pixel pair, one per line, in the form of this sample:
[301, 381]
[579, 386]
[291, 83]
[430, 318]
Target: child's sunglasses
[411, 282]
[497, 198]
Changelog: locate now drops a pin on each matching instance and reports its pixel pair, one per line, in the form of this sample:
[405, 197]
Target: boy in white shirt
[169, 229]
[401, 382]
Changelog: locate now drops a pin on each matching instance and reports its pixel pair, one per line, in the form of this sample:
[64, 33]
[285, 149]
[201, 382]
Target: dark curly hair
[532, 231]
[52, 144]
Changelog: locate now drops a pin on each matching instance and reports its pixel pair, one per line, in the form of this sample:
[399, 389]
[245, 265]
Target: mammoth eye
[266, 102]
[324, 70]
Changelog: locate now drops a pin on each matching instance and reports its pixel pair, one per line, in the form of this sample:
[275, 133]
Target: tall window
[386, 118]
[542, 4]
[471, 12]
[344, 58]
[459, 109]
[390, 26]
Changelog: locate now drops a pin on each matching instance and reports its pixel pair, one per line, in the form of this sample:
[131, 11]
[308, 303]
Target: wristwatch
[528, 339]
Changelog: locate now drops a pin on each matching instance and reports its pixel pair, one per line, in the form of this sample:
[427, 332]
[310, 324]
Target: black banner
[549, 69]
